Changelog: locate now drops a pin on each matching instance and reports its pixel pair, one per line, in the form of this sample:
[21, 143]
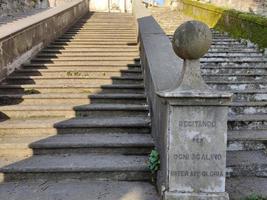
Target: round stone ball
[192, 40]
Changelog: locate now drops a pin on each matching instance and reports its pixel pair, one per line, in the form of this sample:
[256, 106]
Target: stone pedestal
[196, 145]
[196, 131]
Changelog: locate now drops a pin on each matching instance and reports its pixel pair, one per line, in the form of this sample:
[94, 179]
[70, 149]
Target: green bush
[154, 161]
[255, 197]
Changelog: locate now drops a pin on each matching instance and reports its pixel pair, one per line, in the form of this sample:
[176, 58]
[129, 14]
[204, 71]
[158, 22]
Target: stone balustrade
[189, 120]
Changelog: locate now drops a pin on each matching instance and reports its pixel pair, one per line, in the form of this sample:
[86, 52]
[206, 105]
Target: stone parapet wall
[8, 7]
[20, 41]
[162, 68]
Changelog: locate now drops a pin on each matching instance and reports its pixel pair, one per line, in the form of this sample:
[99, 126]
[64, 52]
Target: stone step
[72, 88]
[114, 31]
[71, 98]
[97, 43]
[233, 55]
[237, 50]
[246, 163]
[247, 135]
[91, 37]
[72, 80]
[240, 187]
[112, 23]
[87, 166]
[246, 145]
[88, 54]
[235, 85]
[121, 20]
[114, 143]
[94, 40]
[108, 23]
[69, 74]
[99, 35]
[103, 29]
[247, 140]
[240, 72]
[91, 50]
[69, 111]
[92, 46]
[132, 69]
[226, 47]
[234, 77]
[247, 121]
[224, 39]
[232, 65]
[257, 107]
[94, 72]
[249, 95]
[234, 60]
[236, 71]
[229, 43]
[88, 62]
[84, 59]
[76, 125]
[67, 66]
[78, 189]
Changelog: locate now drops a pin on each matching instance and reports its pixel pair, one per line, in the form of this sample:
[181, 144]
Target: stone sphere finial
[192, 40]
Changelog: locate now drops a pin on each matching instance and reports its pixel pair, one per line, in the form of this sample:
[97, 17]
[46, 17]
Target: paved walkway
[169, 20]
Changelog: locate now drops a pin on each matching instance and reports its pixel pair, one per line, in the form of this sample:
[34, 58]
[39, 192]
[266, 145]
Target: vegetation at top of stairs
[255, 197]
[238, 24]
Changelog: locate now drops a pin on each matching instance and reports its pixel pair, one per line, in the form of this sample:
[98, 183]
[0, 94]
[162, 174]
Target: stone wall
[254, 6]
[20, 41]
[8, 7]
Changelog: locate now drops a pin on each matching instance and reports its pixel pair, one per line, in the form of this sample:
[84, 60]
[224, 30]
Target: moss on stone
[238, 24]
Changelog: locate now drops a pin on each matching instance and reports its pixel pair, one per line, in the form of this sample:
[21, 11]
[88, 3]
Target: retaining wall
[20, 41]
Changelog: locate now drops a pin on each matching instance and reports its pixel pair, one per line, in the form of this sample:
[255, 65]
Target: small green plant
[31, 91]
[255, 197]
[69, 73]
[154, 161]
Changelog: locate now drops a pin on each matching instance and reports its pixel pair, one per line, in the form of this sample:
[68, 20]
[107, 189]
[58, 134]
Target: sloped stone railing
[189, 119]
[21, 40]
[162, 69]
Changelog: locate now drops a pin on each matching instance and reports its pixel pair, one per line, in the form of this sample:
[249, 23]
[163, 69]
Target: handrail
[161, 68]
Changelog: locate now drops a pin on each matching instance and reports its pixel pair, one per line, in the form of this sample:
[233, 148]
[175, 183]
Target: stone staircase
[74, 120]
[239, 67]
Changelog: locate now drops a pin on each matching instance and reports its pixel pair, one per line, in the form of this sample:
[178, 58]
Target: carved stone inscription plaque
[197, 148]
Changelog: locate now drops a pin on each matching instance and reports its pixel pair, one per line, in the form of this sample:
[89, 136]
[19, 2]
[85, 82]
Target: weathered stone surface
[192, 40]
[196, 128]
[196, 196]
[197, 151]
[77, 190]
[8, 7]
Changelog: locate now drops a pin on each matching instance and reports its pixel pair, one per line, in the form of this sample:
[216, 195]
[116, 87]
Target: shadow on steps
[85, 128]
